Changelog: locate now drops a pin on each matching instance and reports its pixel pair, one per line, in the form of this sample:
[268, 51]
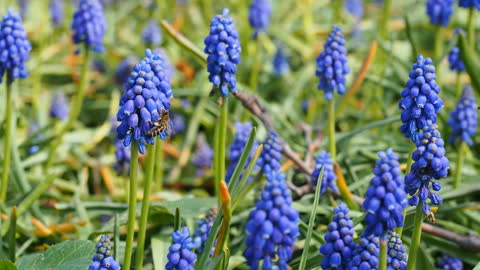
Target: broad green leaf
[160, 245]
[7, 265]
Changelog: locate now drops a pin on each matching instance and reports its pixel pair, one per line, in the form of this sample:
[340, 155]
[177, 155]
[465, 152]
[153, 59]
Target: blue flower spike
[180, 255]
[14, 47]
[204, 225]
[203, 156]
[325, 161]
[242, 133]
[365, 254]
[463, 119]
[223, 49]
[59, 108]
[151, 34]
[469, 4]
[450, 263]
[56, 12]
[89, 25]
[440, 11]
[281, 63]
[332, 64]
[259, 16]
[122, 158]
[104, 260]
[396, 254]
[269, 159]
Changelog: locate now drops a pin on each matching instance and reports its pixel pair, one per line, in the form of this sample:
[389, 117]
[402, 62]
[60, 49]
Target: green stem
[8, 139]
[255, 65]
[416, 235]
[132, 204]
[151, 154]
[471, 28]
[331, 128]
[75, 109]
[458, 84]
[159, 165]
[221, 146]
[384, 19]
[438, 48]
[383, 255]
[399, 230]
[458, 168]
[338, 11]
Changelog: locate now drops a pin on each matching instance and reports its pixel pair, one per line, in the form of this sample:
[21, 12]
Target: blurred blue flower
[339, 245]
[124, 69]
[59, 107]
[469, 4]
[242, 133]
[269, 159]
[354, 7]
[324, 160]
[178, 122]
[203, 156]
[440, 11]
[14, 47]
[223, 49]
[23, 5]
[430, 163]
[56, 12]
[420, 102]
[122, 158]
[32, 130]
[89, 25]
[332, 64]
[463, 119]
[396, 255]
[204, 225]
[98, 65]
[180, 255]
[365, 254]
[281, 63]
[450, 263]
[455, 61]
[147, 92]
[151, 34]
[259, 16]
[104, 260]
[272, 227]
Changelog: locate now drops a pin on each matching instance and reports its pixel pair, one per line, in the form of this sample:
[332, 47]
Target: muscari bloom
[56, 12]
[385, 197]
[469, 4]
[147, 92]
[430, 163]
[32, 130]
[169, 70]
[203, 156]
[272, 227]
[281, 63]
[450, 263]
[242, 133]
[396, 255]
[180, 255]
[59, 107]
[89, 25]
[339, 246]
[178, 122]
[14, 47]
[204, 225]
[104, 260]
[324, 161]
[463, 119]
[223, 49]
[124, 69]
[420, 102]
[259, 16]
[440, 11]
[454, 60]
[269, 159]
[151, 34]
[122, 158]
[332, 64]
[354, 7]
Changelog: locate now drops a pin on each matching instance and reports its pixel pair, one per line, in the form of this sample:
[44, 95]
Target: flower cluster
[469, 4]
[151, 34]
[281, 63]
[203, 156]
[89, 25]
[420, 102]
[124, 69]
[339, 246]
[272, 227]
[354, 7]
[450, 263]
[332, 64]
[56, 12]
[148, 92]
[169, 70]
[463, 119]
[122, 158]
[104, 260]
[324, 161]
[396, 255]
[223, 49]
[14, 47]
[180, 255]
[259, 16]
[242, 133]
[59, 107]
[385, 197]
[365, 254]
[178, 122]
[430, 163]
[440, 11]
[454, 60]
[204, 225]
[269, 159]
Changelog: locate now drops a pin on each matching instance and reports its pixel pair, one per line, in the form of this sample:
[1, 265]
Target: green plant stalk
[158, 175]
[75, 109]
[383, 255]
[458, 84]
[384, 19]
[471, 28]
[399, 230]
[438, 48]
[331, 128]
[221, 147]
[12, 243]
[255, 65]
[116, 237]
[243, 188]
[338, 11]
[416, 235]
[177, 222]
[459, 164]
[233, 181]
[8, 139]
[142, 228]
[132, 204]
[311, 222]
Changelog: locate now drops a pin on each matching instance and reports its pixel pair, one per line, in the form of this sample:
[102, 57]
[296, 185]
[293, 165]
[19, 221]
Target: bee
[161, 125]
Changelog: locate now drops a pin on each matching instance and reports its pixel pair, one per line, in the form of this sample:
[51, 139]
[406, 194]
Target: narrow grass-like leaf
[202, 260]
[116, 237]
[408, 30]
[184, 42]
[240, 191]
[242, 161]
[178, 220]
[12, 231]
[471, 61]
[304, 227]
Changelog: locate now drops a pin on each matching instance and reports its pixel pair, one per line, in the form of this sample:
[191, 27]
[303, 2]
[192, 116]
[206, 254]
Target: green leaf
[471, 61]
[7, 265]
[160, 245]
[68, 255]
[424, 261]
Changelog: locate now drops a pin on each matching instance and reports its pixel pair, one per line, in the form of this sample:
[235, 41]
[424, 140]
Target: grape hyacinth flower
[151, 34]
[339, 244]
[32, 130]
[430, 163]
[420, 102]
[272, 227]
[454, 60]
[122, 158]
[242, 133]
[365, 254]
[56, 12]
[180, 255]
[332, 64]
[89, 25]
[204, 225]
[124, 69]
[178, 122]
[259, 16]
[269, 159]
[281, 63]
[469, 4]
[104, 260]
[385, 198]
[223, 49]
[169, 70]
[203, 156]
[463, 119]
[324, 161]
[148, 92]
[440, 11]
[396, 255]
[59, 107]
[14, 47]
[354, 7]
[450, 263]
